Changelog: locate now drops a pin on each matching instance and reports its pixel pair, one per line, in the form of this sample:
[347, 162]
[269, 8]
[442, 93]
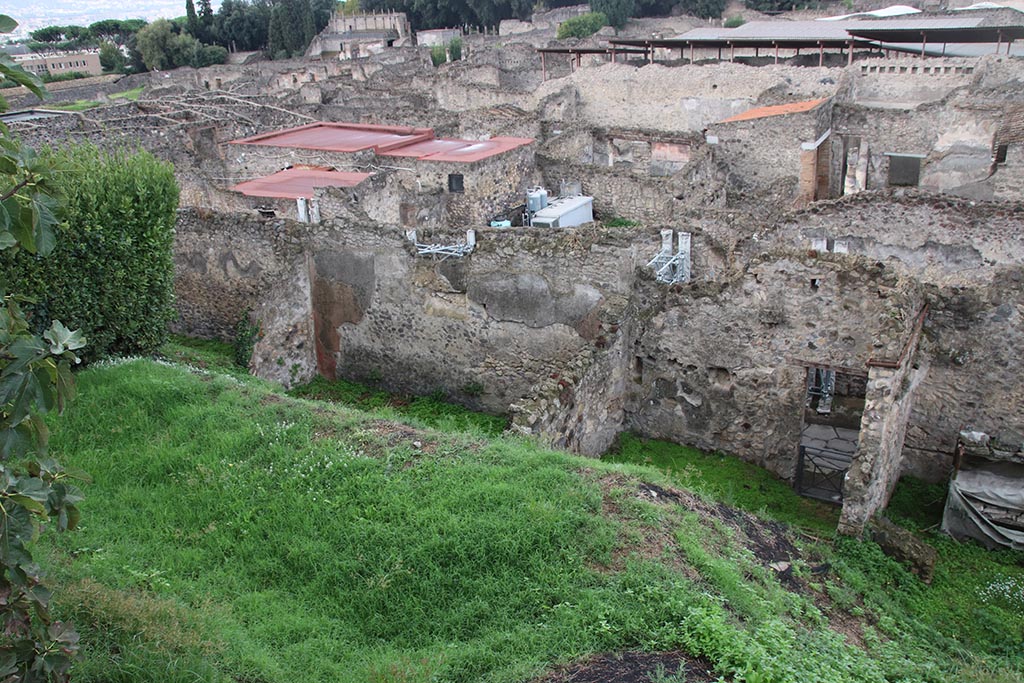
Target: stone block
[905, 547]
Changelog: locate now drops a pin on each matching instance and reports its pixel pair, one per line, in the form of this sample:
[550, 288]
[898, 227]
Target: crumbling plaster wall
[764, 151]
[909, 82]
[956, 143]
[227, 264]
[352, 299]
[877, 464]
[969, 256]
[723, 365]
[520, 308]
[681, 98]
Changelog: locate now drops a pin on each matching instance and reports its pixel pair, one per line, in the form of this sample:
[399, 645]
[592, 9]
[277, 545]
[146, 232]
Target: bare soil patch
[633, 667]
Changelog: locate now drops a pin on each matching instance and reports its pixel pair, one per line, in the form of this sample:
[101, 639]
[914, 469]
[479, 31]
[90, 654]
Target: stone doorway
[829, 430]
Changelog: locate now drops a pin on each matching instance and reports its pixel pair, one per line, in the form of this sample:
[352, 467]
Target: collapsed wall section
[877, 464]
[722, 366]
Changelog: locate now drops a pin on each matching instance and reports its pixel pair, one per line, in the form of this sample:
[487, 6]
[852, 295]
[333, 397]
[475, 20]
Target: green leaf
[16, 527]
[33, 488]
[44, 220]
[7, 24]
[6, 238]
[33, 506]
[62, 339]
[19, 224]
[14, 440]
[74, 516]
[24, 351]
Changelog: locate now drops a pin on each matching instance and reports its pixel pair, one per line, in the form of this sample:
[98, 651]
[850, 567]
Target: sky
[33, 14]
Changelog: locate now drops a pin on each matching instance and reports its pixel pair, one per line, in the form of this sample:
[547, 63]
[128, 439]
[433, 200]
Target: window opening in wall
[815, 283]
[455, 182]
[830, 427]
[1001, 151]
[904, 170]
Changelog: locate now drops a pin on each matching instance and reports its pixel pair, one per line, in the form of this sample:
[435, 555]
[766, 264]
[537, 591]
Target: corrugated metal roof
[417, 143]
[775, 110]
[340, 137]
[828, 30]
[293, 183]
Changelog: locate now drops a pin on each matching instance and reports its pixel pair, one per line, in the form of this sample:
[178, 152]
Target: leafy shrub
[617, 11]
[771, 6]
[583, 26]
[439, 53]
[734, 21]
[619, 222]
[59, 78]
[111, 273]
[247, 332]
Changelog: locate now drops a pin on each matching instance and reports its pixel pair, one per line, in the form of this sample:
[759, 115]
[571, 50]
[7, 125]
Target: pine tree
[275, 33]
[308, 24]
[191, 20]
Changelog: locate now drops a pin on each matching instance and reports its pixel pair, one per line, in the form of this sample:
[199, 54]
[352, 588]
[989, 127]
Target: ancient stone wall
[681, 99]
[970, 257]
[767, 150]
[723, 365]
[227, 264]
[907, 82]
[877, 464]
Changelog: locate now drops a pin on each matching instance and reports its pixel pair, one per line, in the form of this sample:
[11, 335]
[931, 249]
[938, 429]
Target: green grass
[130, 95]
[729, 479]
[233, 533]
[77, 105]
[432, 411]
[206, 354]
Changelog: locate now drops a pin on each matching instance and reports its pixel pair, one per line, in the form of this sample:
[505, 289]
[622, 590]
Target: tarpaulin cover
[992, 484]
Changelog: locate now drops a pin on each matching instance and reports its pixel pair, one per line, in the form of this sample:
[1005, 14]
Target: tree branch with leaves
[35, 378]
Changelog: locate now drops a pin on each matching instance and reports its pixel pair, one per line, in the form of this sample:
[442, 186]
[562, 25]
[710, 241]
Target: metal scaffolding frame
[671, 268]
[443, 251]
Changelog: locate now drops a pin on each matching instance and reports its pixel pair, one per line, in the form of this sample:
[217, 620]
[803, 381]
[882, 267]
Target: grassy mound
[234, 533]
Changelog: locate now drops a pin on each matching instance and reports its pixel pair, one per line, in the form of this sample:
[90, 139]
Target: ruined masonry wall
[724, 367]
[877, 464]
[227, 264]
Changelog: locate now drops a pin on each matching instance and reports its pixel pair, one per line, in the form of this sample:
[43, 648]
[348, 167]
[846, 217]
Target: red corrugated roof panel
[417, 143]
[293, 183]
[341, 137]
[465, 151]
[774, 110]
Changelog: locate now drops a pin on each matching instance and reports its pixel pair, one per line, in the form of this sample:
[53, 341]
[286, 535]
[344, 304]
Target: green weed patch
[234, 533]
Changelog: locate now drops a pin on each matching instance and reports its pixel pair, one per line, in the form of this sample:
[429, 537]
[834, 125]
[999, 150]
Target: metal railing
[820, 473]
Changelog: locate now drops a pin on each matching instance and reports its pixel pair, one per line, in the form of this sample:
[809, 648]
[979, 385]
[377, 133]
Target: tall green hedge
[112, 271]
[582, 26]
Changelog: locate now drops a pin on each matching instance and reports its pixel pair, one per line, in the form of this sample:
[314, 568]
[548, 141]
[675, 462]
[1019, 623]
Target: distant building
[360, 35]
[437, 36]
[57, 63]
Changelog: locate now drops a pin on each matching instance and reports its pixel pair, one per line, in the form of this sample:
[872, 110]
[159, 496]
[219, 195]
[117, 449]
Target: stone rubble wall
[227, 264]
[877, 464]
[723, 365]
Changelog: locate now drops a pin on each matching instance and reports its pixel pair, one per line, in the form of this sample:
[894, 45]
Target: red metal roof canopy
[774, 110]
[293, 183]
[418, 143]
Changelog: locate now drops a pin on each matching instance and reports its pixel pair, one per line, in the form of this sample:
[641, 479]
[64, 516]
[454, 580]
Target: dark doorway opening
[829, 431]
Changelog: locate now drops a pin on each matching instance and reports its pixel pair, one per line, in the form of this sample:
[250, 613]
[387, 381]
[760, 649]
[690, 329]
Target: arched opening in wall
[829, 430]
